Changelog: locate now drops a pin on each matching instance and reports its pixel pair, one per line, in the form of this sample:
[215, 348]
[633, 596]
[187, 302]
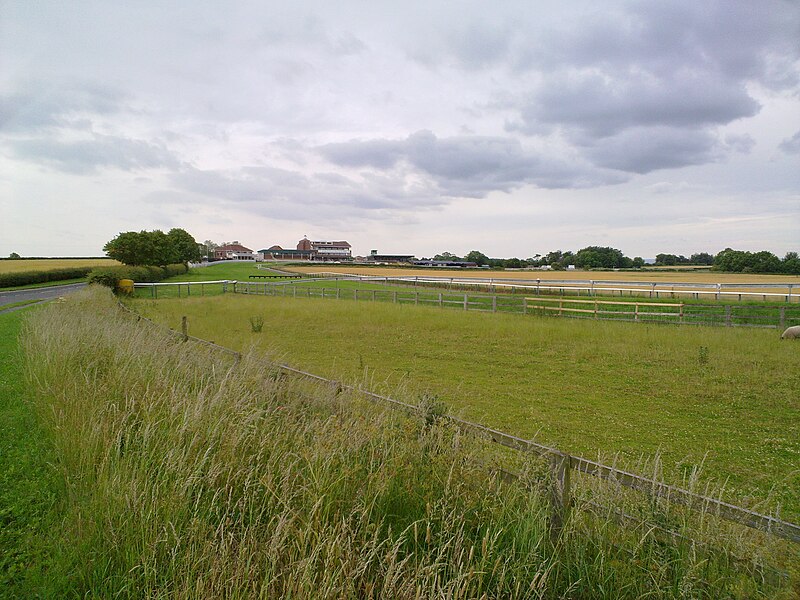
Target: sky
[415, 127]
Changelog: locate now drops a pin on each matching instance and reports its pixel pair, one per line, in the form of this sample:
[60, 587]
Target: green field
[159, 468]
[722, 398]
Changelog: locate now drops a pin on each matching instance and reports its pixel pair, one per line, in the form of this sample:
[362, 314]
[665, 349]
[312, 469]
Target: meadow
[722, 400]
[181, 473]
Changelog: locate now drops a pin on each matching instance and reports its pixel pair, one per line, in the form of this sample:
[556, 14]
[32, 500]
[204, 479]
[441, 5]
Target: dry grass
[47, 264]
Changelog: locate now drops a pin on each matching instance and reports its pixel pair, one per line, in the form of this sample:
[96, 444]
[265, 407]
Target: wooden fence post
[494, 303]
[185, 328]
[440, 300]
[465, 302]
[524, 306]
[728, 322]
[394, 297]
[782, 317]
[560, 499]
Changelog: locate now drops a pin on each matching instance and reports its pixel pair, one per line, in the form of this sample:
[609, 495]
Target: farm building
[233, 251]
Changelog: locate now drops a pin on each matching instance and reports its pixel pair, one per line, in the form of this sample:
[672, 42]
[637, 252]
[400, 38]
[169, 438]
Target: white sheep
[791, 333]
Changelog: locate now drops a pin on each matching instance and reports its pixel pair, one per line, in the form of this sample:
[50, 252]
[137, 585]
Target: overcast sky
[514, 128]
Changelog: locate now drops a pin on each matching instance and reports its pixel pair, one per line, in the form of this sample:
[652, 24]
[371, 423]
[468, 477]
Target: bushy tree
[448, 256]
[741, 261]
[153, 248]
[601, 257]
[701, 258]
[479, 258]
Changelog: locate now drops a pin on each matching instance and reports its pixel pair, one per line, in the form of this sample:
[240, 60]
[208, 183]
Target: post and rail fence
[561, 464]
[639, 311]
[729, 315]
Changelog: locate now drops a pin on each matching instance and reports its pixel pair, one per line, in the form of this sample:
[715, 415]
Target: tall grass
[188, 475]
[589, 388]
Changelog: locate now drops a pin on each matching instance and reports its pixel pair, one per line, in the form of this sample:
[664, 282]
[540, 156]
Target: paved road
[43, 293]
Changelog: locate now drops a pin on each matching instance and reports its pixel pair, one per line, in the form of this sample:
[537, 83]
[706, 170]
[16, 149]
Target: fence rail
[787, 290]
[736, 315]
[561, 464]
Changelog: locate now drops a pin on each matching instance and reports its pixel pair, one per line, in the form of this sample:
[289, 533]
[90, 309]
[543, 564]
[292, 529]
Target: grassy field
[722, 398]
[46, 264]
[186, 475]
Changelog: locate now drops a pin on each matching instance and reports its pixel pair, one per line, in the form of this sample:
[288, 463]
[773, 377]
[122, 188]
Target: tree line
[603, 257]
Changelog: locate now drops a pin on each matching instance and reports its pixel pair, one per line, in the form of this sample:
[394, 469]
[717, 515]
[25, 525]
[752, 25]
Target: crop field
[721, 400]
[46, 264]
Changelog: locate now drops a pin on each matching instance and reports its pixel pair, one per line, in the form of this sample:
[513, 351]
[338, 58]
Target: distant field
[45, 264]
[723, 398]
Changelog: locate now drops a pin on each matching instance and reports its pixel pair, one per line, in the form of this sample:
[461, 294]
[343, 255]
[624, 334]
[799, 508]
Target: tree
[208, 248]
[448, 257]
[479, 258]
[182, 246]
[701, 258]
[601, 257]
[14, 255]
[153, 247]
[791, 264]
[638, 262]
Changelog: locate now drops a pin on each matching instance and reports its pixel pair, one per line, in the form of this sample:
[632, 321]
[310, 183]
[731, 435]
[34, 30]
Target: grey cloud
[284, 194]
[645, 149]
[741, 143]
[480, 44]
[791, 145]
[90, 155]
[470, 166]
[381, 154]
[682, 65]
[600, 105]
[35, 106]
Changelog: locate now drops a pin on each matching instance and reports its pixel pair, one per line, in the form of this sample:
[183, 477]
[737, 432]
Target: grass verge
[29, 487]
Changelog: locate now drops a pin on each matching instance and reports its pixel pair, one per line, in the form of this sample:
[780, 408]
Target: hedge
[110, 276]
[30, 277]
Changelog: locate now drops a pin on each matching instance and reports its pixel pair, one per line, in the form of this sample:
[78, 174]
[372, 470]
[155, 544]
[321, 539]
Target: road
[43, 293]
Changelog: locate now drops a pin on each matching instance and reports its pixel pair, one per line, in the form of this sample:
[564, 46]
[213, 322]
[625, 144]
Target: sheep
[791, 333]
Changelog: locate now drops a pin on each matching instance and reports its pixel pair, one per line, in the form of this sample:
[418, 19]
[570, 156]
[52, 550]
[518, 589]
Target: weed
[256, 324]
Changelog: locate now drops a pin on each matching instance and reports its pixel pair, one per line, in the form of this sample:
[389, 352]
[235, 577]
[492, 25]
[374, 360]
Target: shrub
[110, 276]
[30, 277]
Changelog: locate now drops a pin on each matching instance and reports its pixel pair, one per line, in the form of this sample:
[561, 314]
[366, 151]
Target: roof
[232, 248]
